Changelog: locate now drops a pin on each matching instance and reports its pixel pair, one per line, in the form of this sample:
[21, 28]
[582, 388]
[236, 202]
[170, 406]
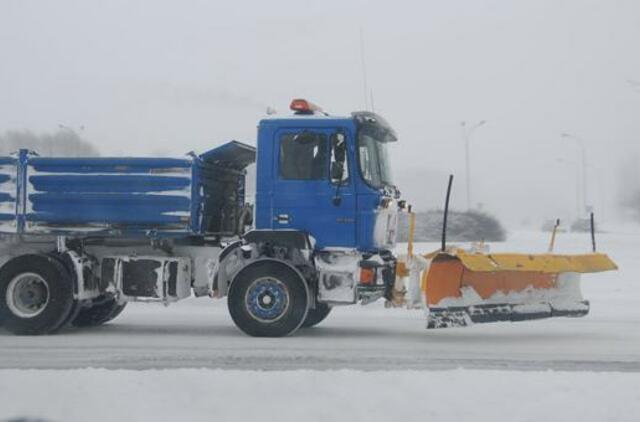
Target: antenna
[365, 90]
[593, 232]
[373, 107]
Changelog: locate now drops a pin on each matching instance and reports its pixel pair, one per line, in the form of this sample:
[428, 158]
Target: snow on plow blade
[462, 288]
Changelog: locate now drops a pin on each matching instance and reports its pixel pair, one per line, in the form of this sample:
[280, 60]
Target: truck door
[313, 189]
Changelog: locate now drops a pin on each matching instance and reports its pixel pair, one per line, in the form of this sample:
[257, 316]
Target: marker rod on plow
[593, 233]
[446, 213]
[412, 229]
[553, 235]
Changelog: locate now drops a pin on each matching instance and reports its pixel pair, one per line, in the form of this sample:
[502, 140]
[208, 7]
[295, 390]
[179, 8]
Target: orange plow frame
[462, 287]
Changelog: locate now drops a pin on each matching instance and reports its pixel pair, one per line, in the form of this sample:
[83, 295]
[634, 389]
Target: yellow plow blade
[462, 288]
[545, 263]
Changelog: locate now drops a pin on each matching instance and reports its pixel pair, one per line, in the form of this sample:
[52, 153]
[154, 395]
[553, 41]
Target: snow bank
[193, 395]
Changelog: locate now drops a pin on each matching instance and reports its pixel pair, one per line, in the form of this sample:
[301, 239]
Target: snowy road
[100, 395]
[199, 333]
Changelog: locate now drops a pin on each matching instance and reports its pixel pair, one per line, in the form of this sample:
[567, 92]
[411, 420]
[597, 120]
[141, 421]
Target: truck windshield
[374, 161]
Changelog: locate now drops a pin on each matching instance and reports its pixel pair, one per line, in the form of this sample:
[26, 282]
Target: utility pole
[467, 131]
[583, 153]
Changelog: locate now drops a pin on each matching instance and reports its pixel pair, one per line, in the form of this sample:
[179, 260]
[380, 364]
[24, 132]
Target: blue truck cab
[82, 237]
[327, 176]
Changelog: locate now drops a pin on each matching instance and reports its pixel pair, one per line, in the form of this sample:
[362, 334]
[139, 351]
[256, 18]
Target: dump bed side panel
[196, 195]
[98, 194]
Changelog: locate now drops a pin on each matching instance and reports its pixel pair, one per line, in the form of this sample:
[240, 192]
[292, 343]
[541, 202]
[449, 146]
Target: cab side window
[303, 156]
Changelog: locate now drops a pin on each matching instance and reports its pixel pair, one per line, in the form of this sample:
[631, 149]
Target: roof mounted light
[302, 106]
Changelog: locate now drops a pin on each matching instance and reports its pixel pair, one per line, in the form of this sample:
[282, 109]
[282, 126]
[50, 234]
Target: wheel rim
[27, 295]
[267, 299]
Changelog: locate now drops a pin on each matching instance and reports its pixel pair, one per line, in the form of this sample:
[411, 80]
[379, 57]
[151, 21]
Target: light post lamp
[583, 152]
[467, 131]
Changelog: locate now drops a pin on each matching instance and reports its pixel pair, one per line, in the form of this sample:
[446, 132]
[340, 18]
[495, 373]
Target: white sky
[165, 77]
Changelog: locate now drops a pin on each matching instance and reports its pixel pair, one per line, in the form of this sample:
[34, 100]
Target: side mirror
[340, 153]
[337, 171]
[339, 158]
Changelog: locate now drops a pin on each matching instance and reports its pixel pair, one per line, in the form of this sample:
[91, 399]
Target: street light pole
[583, 153]
[577, 187]
[467, 131]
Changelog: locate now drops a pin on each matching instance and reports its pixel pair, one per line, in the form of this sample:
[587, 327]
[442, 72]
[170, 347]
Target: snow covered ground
[216, 395]
[586, 368]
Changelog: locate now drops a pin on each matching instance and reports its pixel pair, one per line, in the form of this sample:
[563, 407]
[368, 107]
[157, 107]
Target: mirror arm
[337, 199]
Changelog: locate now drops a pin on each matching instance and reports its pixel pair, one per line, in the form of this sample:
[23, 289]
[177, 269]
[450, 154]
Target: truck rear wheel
[36, 295]
[268, 299]
[98, 314]
[317, 315]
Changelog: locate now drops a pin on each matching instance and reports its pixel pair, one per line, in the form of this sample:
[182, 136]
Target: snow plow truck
[82, 237]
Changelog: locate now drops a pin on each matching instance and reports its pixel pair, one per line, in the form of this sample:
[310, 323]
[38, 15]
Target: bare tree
[464, 226]
[64, 142]
[629, 187]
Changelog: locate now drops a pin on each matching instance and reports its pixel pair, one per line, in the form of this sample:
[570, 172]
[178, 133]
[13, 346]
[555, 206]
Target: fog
[166, 77]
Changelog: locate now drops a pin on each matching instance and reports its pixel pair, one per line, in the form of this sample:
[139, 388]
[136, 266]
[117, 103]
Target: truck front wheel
[36, 295]
[268, 299]
[316, 315]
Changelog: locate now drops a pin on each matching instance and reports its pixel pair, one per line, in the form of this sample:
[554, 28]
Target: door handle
[282, 219]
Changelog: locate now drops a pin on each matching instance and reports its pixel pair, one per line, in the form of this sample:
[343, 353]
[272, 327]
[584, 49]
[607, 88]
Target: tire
[98, 314]
[317, 315]
[268, 299]
[36, 295]
[75, 307]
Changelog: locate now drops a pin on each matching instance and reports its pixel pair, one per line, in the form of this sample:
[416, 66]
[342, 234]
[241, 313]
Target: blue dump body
[168, 196]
